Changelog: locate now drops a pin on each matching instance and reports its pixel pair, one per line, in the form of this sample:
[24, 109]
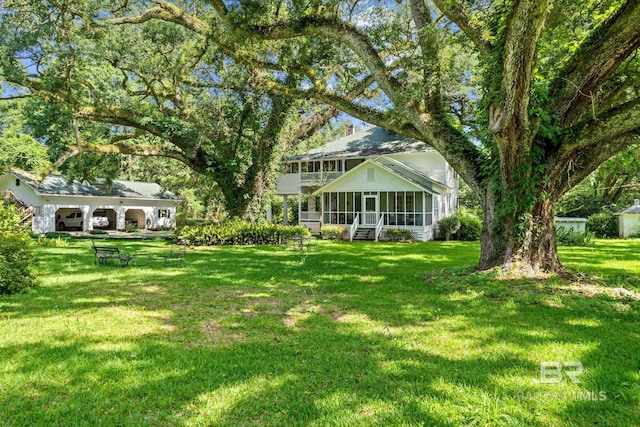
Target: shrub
[602, 225]
[237, 233]
[56, 234]
[56, 242]
[130, 227]
[447, 227]
[570, 237]
[470, 228]
[97, 231]
[459, 227]
[16, 256]
[398, 234]
[332, 232]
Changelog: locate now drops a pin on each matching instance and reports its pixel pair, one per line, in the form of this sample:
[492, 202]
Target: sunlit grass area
[349, 334]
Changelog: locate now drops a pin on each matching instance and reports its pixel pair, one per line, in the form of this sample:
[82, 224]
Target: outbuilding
[629, 220]
[55, 203]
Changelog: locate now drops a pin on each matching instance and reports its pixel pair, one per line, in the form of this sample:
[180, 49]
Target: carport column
[86, 217]
[120, 212]
[285, 210]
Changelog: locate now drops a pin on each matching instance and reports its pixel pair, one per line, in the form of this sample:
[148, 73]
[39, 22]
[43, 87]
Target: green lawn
[350, 334]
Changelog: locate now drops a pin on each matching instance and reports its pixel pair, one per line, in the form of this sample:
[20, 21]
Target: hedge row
[237, 233]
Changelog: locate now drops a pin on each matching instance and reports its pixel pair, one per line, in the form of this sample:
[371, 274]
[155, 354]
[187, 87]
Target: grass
[350, 334]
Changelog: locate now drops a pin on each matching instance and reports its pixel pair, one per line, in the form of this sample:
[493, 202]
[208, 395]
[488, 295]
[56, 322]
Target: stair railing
[379, 226]
[354, 227]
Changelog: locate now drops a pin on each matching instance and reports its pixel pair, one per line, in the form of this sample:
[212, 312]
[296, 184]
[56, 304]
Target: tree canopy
[524, 98]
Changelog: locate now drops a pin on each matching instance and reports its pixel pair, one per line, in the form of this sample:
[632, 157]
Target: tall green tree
[150, 89]
[524, 98]
[18, 149]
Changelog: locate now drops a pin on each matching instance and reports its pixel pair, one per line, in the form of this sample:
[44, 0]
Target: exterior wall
[22, 191]
[628, 225]
[361, 180]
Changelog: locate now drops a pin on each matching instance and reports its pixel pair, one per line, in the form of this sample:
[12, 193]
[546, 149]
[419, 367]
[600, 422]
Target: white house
[369, 181]
[629, 220]
[54, 203]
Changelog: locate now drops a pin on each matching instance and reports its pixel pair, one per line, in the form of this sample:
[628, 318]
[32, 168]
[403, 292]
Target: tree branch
[166, 12]
[470, 28]
[594, 142]
[597, 59]
[333, 30]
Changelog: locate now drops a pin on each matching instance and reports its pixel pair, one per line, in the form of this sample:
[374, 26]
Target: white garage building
[56, 204]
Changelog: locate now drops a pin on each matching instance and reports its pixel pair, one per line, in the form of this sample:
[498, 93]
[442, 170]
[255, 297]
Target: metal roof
[375, 141]
[58, 185]
[635, 209]
[410, 174]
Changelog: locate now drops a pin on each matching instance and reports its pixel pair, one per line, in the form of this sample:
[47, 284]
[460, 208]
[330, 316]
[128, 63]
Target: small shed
[570, 223]
[629, 220]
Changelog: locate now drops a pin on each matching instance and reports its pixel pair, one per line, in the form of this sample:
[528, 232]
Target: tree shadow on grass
[345, 337]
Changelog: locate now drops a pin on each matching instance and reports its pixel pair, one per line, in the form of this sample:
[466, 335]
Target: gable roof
[375, 141]
[58, 185]
[397, 168]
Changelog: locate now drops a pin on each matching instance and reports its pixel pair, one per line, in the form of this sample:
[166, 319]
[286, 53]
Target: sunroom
[379, 194]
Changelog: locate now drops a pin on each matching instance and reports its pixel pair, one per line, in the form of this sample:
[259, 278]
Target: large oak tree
[524, 98]
[150, 89]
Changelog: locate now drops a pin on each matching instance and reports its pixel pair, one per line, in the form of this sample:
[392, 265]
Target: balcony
[318, 177]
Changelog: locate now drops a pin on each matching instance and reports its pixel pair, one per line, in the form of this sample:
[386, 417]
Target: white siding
[358, 180]
[22, 191]
[628, 225]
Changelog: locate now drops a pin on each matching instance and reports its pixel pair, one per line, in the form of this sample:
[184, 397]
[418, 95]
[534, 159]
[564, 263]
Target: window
[17, 182]
[164, 213]
[352, 163]
[371, 177]
[291, 167]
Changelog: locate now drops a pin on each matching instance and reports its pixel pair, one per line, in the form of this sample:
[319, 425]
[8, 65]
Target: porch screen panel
[404, 207]
[339, 207]
[418, 209]
[400, 208]
[428, 209]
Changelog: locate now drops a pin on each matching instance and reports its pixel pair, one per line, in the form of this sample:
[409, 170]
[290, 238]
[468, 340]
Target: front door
[370, 210]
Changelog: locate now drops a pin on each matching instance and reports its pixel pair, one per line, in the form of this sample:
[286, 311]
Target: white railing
[319, 176]
[379, 227]
[354, 227]
[310, 176]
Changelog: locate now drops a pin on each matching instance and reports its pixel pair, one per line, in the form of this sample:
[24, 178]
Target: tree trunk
[524, 247]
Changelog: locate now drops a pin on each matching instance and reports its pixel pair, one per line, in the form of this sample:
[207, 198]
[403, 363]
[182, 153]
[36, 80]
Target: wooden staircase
[365, 234]
[26, 212]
